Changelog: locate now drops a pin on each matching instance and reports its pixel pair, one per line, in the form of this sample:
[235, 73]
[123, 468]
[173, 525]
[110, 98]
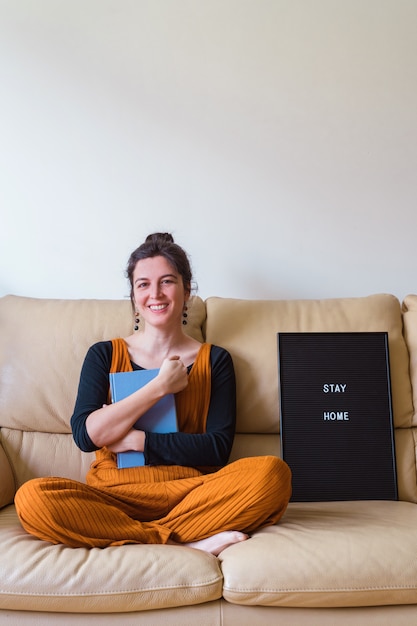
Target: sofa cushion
[410, 332]
[38, 576]
[7, 482]
[248, 329]
[327, 555]
[33, 454]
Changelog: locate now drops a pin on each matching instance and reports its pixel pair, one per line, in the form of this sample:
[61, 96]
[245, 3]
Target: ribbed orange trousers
[154, 504]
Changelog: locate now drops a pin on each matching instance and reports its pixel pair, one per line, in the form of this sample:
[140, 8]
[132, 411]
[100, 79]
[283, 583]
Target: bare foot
[219, 542]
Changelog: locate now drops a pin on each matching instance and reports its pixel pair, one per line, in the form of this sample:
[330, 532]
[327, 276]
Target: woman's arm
[112, 423]
[93, 392]
[95, 423]
[213, 447]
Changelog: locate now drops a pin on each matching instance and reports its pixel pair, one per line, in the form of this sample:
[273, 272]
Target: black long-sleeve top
[211, 448]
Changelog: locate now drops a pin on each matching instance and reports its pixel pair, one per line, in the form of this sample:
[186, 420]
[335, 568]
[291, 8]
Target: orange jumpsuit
[154, 504]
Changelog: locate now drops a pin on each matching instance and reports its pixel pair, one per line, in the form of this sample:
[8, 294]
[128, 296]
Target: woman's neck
[148, 348]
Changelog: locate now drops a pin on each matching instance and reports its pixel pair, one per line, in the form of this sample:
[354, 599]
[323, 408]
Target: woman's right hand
[173, 375]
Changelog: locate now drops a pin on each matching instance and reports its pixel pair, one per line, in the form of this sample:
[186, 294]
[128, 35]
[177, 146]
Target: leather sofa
[323, 563]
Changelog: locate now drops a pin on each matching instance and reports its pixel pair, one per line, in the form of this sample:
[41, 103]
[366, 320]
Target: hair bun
[160, 238]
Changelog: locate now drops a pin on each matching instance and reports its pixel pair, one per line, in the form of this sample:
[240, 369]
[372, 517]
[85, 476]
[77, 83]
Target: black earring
[185, 315]
[136, 326]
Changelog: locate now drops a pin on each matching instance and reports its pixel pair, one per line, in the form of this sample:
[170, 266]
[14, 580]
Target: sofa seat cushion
[330, 554]
[39, 576]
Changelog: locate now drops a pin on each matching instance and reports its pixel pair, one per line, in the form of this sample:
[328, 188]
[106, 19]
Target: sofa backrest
[248, 329]
[409, 461]
[43, 344]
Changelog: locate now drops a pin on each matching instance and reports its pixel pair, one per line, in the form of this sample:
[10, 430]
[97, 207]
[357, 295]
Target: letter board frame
[339, 444]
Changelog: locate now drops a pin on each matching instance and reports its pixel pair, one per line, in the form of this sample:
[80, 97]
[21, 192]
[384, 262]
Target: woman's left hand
[133, 440]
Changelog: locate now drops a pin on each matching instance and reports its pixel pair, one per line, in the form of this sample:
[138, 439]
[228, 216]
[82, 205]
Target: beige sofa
[324, 563]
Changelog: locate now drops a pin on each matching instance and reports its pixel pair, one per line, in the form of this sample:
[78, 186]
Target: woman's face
[158, 292]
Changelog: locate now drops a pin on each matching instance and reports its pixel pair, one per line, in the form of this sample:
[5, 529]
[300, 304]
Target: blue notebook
[160, 418]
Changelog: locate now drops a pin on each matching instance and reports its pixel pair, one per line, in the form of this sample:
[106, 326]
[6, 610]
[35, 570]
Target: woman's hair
[161, 244]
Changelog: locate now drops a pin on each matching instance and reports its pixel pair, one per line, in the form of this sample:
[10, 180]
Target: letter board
[336, 415]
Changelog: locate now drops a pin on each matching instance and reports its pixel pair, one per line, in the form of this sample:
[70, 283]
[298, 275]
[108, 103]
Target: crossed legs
[207, 512]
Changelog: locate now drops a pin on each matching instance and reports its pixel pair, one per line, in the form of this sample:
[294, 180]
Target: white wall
[277, 139]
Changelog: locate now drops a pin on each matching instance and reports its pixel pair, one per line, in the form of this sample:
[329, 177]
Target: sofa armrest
[7, 483]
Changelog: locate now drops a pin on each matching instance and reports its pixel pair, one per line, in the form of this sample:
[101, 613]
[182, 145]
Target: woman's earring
[185, 314]
[136, 326]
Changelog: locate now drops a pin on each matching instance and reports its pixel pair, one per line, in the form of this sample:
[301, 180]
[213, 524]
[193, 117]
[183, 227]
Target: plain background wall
[276, 139]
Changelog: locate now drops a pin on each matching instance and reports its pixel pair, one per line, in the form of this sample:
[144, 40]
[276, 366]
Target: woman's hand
[133, 440]
[173, 375]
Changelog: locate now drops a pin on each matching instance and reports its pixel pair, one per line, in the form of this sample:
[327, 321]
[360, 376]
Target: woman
[185, 494]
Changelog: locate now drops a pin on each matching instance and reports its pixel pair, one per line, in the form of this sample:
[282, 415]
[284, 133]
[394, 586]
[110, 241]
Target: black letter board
[336, 415]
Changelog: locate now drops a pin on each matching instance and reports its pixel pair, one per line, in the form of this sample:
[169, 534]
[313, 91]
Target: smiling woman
[186, 493]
